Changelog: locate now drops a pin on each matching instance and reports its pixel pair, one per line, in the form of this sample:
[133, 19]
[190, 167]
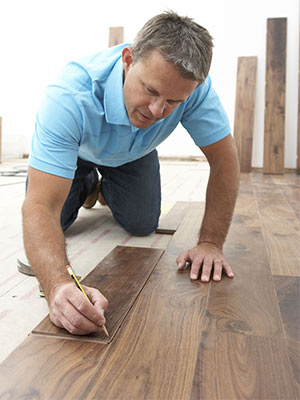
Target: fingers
[99, 302]
[204, 267]
[182, 260]
[71, 310]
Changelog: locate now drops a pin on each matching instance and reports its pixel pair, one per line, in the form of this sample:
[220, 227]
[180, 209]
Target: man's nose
[157, 107]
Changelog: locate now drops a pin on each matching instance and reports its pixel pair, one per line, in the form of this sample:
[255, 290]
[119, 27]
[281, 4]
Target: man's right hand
[70, 309]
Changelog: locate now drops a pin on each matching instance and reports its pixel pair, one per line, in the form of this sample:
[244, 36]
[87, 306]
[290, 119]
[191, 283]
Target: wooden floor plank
[289, 184]
[274, 133]
[233, 366]
[48, 368]
[281, 228]
[161, 334]
[120, 276]
[244, 110]
[288, 293]
[169, 223]
[246, 304]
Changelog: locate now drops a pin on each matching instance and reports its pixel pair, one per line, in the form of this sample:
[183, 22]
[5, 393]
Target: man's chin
[141, 124]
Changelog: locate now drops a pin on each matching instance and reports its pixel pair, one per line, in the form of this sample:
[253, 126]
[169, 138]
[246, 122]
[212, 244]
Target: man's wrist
[216, 243]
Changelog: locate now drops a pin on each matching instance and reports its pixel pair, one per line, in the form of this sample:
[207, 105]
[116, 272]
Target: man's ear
[127, 57]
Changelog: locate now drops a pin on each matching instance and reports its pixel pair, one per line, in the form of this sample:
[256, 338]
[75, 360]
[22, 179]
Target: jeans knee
[140, 227]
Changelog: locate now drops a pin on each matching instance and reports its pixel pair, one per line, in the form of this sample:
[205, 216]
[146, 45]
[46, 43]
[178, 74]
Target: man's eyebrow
[154, 91]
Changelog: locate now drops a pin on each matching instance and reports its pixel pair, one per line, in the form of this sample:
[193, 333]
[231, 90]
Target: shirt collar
[114, 106]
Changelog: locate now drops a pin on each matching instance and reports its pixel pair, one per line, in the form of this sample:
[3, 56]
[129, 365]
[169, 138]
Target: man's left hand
[207, 256]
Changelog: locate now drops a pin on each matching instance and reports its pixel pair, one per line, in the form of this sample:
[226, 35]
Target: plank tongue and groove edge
[169, 223]
[244, 110]
[275, 96]
[120, 277]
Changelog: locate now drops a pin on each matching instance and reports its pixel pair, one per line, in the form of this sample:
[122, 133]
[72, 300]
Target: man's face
[153, 88]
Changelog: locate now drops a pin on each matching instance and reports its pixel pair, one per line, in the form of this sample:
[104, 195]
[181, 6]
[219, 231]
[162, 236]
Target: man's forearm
[221, 194]
[45, 246]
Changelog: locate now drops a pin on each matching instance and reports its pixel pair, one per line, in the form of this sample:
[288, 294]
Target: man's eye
[150, 90]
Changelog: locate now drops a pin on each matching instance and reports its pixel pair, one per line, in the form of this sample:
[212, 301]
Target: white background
[39, 36]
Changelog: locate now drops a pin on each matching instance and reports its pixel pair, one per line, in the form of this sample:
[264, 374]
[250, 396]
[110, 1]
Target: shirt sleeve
[204, 116]
[56, 139]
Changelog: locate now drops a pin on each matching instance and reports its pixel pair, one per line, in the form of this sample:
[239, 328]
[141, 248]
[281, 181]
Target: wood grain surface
[161, 334]
[48, 368]
[170, 222]
[246, 304]
[120, 277]
[288, 293]
[298, 131]
[233, 366]
[274, 130]
[183, 339]
[116, 35]
[244, 110]
[280, 225]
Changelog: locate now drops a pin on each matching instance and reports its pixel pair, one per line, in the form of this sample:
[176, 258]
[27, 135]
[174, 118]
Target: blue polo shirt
[83, 115]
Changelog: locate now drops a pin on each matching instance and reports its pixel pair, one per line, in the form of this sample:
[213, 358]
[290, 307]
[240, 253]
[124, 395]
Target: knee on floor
[141, 228]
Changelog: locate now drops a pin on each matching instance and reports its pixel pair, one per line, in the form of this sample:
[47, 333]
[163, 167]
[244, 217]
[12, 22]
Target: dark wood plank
[246, 304]
[244, 110]
[280, 226]
[120, 276]
[288, 293]
[233, 366]
[161, 334]
[275, 96]
[169, 223]
[289, 185]
[48, 368]
[116, 34]
[298, 132]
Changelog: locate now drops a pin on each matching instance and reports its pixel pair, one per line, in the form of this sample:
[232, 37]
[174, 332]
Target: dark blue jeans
[132, 192]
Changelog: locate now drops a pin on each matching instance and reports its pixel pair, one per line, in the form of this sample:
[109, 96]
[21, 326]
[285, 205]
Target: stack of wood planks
[274, 114]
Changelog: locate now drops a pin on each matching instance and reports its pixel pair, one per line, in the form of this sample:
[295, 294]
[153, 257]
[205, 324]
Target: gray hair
[180, 40]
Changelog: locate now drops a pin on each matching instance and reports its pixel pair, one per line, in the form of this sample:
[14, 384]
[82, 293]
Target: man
[109, 112]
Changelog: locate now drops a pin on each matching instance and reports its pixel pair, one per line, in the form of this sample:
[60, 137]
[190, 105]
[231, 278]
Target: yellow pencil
[69, 269]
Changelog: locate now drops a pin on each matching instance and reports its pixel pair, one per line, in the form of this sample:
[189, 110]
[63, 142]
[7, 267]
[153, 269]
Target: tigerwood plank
[233, 366]
[281, 228]
[275, 96]
[288, 293]
[169, 223]
[244, 110]
[161, 334]
[120, 277]
[116, 34]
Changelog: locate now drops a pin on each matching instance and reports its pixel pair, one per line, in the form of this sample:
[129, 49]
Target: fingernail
[205, 278]
[217, 278]
[193, 276]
